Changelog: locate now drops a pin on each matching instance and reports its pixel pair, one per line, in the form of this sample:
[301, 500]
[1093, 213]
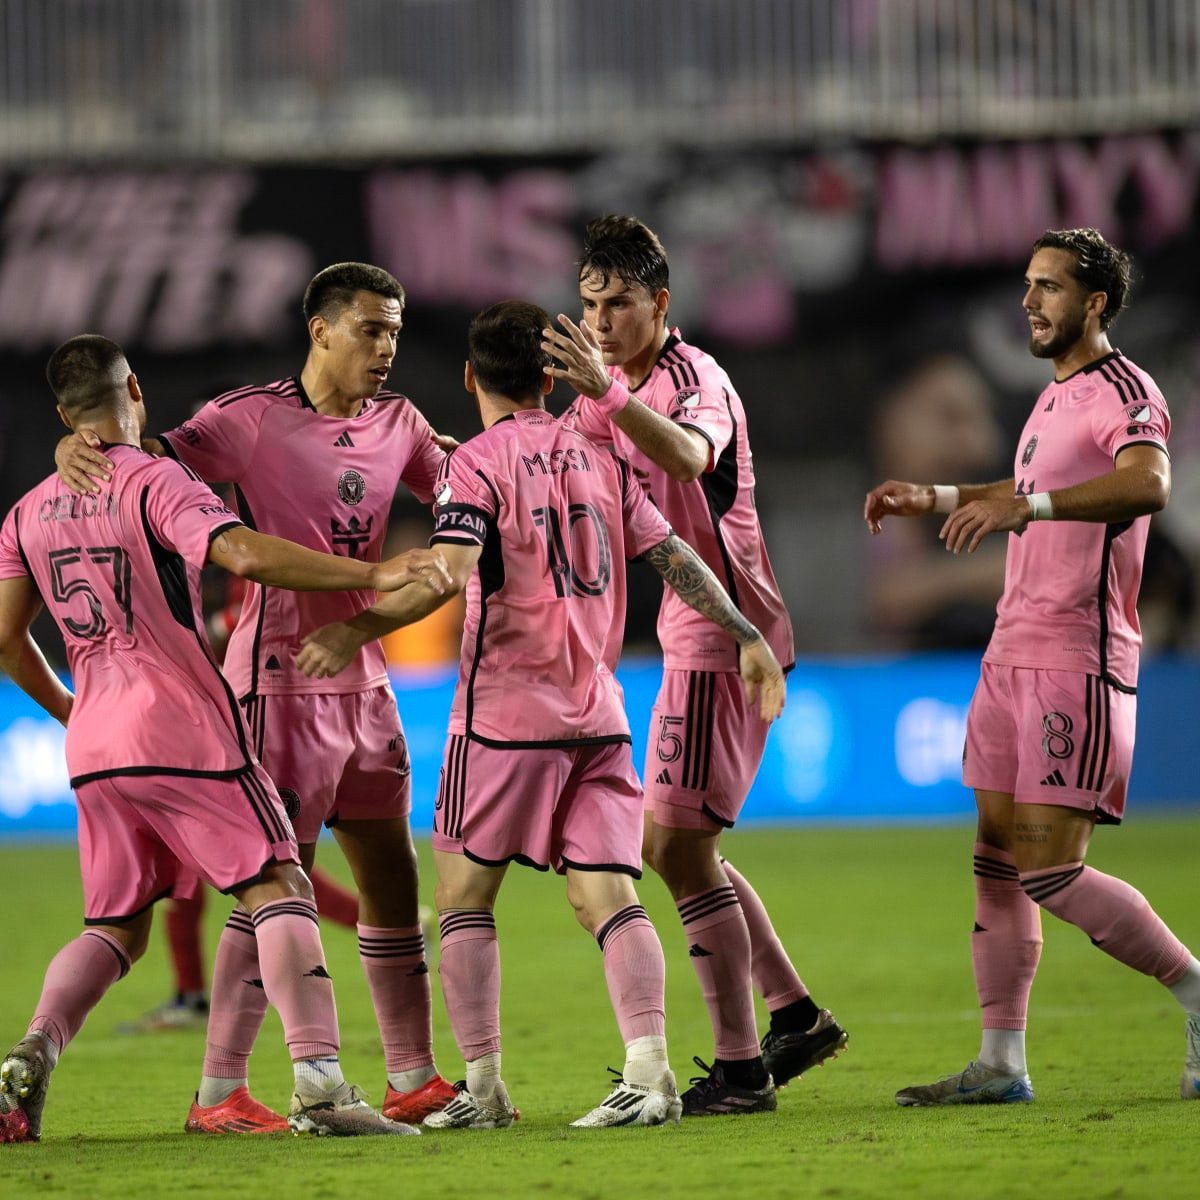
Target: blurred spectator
[936, 422]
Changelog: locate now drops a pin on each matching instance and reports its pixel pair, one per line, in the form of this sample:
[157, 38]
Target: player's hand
[577, 352]
[895, 499]
[427, 567]
[81, 466]
[763, 678]
[443, 441]
[329, 650]
[967, 526]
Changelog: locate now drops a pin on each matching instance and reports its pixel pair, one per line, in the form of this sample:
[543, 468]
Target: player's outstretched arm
[898, 499]
[686, 574]
[83, 466]
[682, 453]
[20, 656]
[279, 563]
[331, 648]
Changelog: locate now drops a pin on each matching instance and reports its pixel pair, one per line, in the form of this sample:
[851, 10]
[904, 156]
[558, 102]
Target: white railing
[297, 79]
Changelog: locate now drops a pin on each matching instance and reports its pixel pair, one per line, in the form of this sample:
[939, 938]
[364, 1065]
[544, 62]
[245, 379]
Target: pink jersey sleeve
[584, 417]
[699, 403]
[218, 442]
[464, 507]
[645, 526]
[421, 471]
[184, 513]
[1144, 422]
[12, 562]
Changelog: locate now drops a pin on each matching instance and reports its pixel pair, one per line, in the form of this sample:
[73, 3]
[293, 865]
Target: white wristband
[1042, 509]
[945, 498]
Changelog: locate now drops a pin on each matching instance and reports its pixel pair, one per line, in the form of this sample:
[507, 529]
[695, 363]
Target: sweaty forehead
[1050, 262]
[593, 286]
[371, 307]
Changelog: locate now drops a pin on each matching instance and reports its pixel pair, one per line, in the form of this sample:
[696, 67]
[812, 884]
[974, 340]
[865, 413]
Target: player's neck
[638, 367]
[114, 431]
[494, 408]
[324, 395]
[1084, 352]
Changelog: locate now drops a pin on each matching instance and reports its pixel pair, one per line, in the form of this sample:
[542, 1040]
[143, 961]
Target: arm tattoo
[684, 572]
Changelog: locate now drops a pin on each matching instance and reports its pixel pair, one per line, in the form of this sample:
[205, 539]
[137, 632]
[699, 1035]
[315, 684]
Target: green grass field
[877, 920]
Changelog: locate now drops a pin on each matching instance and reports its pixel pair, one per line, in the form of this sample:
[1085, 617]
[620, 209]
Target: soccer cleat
[24, 1079]
[978, 1084]
[343, 1114]
[712, 1095]
[239, 1112]
[181, 1012]
[416, 1105]
[1189, 1085]
[470, 1112]
[14, 1124]
[632, 1104]
[788, 1055]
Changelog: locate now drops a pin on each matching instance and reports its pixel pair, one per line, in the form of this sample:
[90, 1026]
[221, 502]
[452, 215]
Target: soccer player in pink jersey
[536, 522]
[158, 751]
[317, 458]
[1050, 729]
[672, 411]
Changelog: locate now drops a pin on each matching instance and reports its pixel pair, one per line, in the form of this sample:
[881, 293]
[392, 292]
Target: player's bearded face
[623, 316]
[361, 343]
[1055, 304]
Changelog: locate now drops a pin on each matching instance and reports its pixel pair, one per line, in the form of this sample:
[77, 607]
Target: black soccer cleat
[789, 1055]
[712, 1095]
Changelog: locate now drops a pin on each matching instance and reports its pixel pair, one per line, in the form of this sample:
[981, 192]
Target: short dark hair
[1099, 266]
[504, 346]
[627, 248]
[86, 373]
[335, 287]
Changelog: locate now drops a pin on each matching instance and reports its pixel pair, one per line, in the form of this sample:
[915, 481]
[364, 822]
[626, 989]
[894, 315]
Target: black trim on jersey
[220, 529]
[168, 450]
[305, 402]
[687, 369]
[237, 394]
[243, 507]
[721, 486]
[1120, 384]
[1121, 366]
[1112, 531]
[603, 739]
[128, 916]
[185, 772]
[491, 579]
[702, 432]
[1095, 365]
[1142, 442]
[172, 574]
[669, 345]
[20, 547]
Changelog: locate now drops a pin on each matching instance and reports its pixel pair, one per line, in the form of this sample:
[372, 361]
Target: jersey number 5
[64, 589]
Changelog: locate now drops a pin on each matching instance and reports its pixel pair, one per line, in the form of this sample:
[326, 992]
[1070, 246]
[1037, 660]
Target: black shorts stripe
[268, 818]
[1093, 755]
[1104, 703]
[270, 808]
[698, 749]
[456, 786]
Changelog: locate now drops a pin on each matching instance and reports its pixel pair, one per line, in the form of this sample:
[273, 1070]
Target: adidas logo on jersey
[664, 776]
[1054, 779]
[344, 440]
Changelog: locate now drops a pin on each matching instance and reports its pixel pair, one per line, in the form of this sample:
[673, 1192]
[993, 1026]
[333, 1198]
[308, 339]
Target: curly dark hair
[627, 248]
[1099, 266]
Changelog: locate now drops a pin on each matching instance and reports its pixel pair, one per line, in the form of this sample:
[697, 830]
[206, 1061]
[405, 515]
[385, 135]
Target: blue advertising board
[860, 740]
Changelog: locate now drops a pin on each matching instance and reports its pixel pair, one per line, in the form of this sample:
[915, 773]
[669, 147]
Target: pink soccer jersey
[715, 514]
[324, 482]
[1071, 587]
[119, 572]
[556, 516]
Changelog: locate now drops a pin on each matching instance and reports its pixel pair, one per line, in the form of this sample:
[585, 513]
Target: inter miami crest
[291, 803]
[1030, 450]
[352, 487]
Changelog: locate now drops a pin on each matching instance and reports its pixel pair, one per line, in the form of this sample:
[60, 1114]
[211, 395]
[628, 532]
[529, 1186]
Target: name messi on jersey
[557, 462]
[72, 507]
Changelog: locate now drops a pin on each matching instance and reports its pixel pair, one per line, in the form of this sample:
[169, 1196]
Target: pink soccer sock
[1117, 918]
[470, 971]
[636, 973]
[719, 946]
[394, 963]
[295, 977]
[1006, 944]
[774, 976]
[76, 980]
[238, 1003]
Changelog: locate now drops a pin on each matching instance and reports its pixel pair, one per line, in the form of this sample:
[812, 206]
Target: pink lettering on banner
[463, 239]
[956, 207]
[148, 258]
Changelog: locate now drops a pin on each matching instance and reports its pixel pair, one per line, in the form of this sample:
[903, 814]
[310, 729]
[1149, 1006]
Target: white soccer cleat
[633, 1104]
[1189, 1085]
[978, 1084]
[473, 1112]
[343, 1114]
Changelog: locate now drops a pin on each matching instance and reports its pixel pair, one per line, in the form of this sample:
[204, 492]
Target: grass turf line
[877, 920]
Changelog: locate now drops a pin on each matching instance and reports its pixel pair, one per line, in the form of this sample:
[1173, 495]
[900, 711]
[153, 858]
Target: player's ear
[62, 416]
[547, 384]
[469, 377]
[135, 392]
[662, 301]
[1097, 302]
[318, 330]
